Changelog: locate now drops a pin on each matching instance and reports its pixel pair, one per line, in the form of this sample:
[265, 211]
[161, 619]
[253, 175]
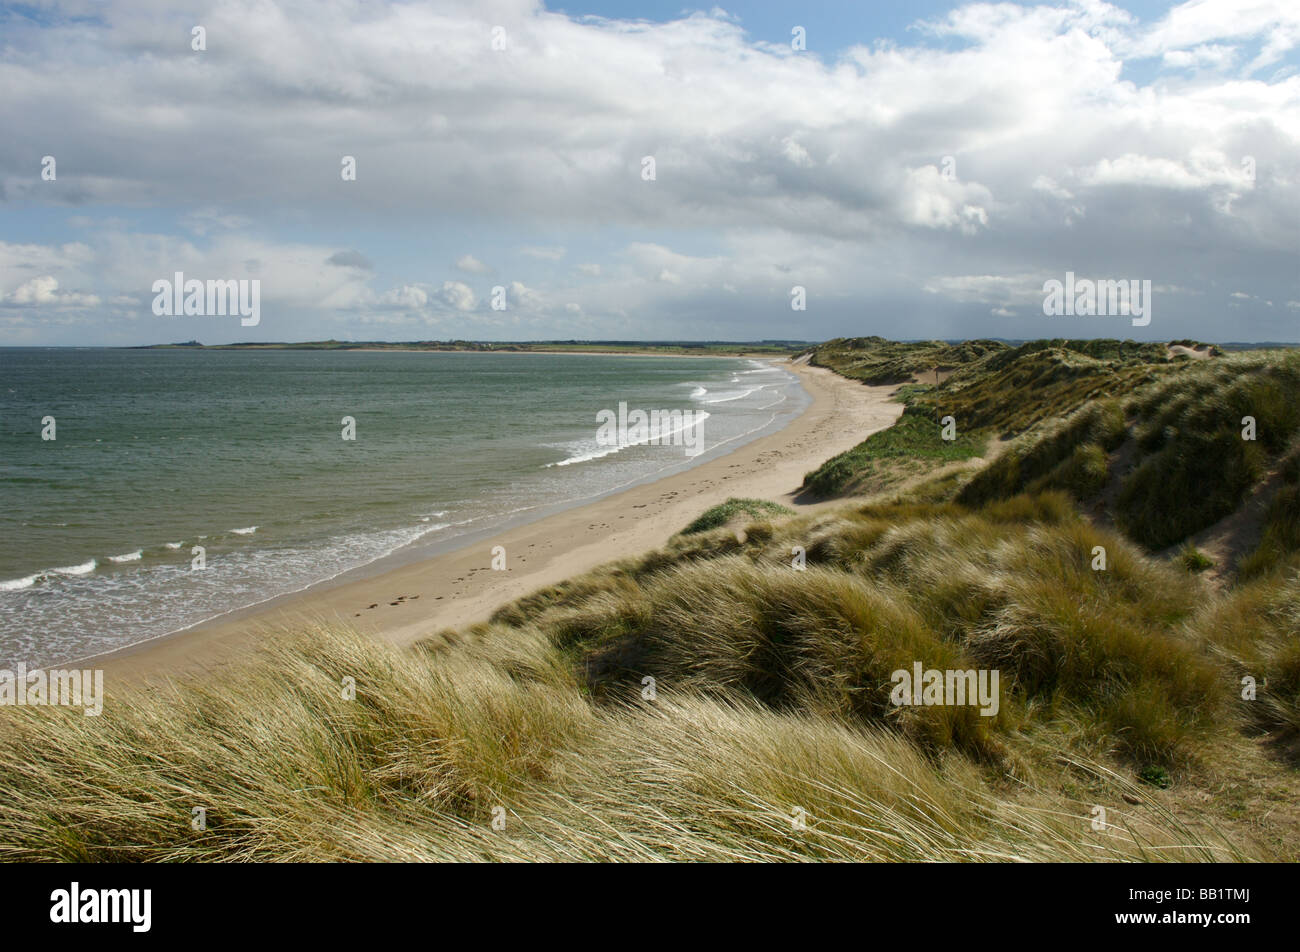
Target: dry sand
[459, 588]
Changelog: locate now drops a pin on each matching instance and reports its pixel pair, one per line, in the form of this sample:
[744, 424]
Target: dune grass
[436, 746]
[767, 735]
[729, 696]
[875, 360]
[914, 444]
[992, 390]
[1199, 440]
[724, 512]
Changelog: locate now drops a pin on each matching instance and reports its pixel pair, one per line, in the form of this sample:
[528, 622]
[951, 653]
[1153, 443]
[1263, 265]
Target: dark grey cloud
[350, 259]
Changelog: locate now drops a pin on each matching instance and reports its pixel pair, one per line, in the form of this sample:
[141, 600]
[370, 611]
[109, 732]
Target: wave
[27, 581]
[586, 457]
[129, 557]
[88, 616]
[700, 417]
[85, 568]
[729, 395]
[247, 531]
[174, 545]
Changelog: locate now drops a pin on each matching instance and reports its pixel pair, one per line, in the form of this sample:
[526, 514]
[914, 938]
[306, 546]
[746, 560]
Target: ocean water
[242, 453]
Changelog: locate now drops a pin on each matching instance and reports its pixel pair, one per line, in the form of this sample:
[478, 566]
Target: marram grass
[763, 738]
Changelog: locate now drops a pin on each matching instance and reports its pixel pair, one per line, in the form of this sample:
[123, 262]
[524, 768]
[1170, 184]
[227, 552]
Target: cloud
[350, 259]
[520, 295]
[1200, 170]
[989, 288]
[407, 297]
[931, 201]
[1195, 26]
[545, 254]
[203, 221]
[457, 296]
[45, 291]
[1212, 55]
[773, 168]
[472, 265]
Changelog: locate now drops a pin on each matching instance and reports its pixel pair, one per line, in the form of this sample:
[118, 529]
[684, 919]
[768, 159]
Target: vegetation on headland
[991, 391]
[729, 695]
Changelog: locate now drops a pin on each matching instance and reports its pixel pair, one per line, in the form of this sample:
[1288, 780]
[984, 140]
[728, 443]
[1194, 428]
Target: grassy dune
[770, 704]
[728, 697]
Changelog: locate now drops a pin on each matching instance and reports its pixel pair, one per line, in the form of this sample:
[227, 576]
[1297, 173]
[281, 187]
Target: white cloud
[1201, 169]
[457, 295]
[773, 168]
[471, 265]
[543, 253]
[1212, 55]
[989, 288]
[1196, 25]
[407, 297]
[44, 290]
[523, 296]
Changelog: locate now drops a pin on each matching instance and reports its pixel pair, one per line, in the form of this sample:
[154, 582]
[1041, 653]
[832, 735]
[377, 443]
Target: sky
[916, 170]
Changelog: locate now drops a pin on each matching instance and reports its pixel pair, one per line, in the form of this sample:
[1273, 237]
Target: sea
[144, 491]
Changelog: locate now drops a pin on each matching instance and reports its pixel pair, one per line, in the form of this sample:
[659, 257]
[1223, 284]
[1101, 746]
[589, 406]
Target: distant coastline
[763, 348]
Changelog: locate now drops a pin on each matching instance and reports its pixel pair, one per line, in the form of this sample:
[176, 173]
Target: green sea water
[241, 453]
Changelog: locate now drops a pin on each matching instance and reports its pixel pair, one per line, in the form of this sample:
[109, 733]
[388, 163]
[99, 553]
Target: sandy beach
[460, 587]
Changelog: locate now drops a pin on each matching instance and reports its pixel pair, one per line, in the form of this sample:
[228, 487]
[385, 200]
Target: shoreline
[458, 587]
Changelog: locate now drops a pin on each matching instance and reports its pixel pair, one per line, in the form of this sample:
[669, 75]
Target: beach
[459, 588]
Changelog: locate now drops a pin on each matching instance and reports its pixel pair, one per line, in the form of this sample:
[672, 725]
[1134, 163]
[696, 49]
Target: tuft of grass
[1254, 632]
[1009, 587]
[1194, 560]
[723, 513]
[1156, 776]
[441, 739]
